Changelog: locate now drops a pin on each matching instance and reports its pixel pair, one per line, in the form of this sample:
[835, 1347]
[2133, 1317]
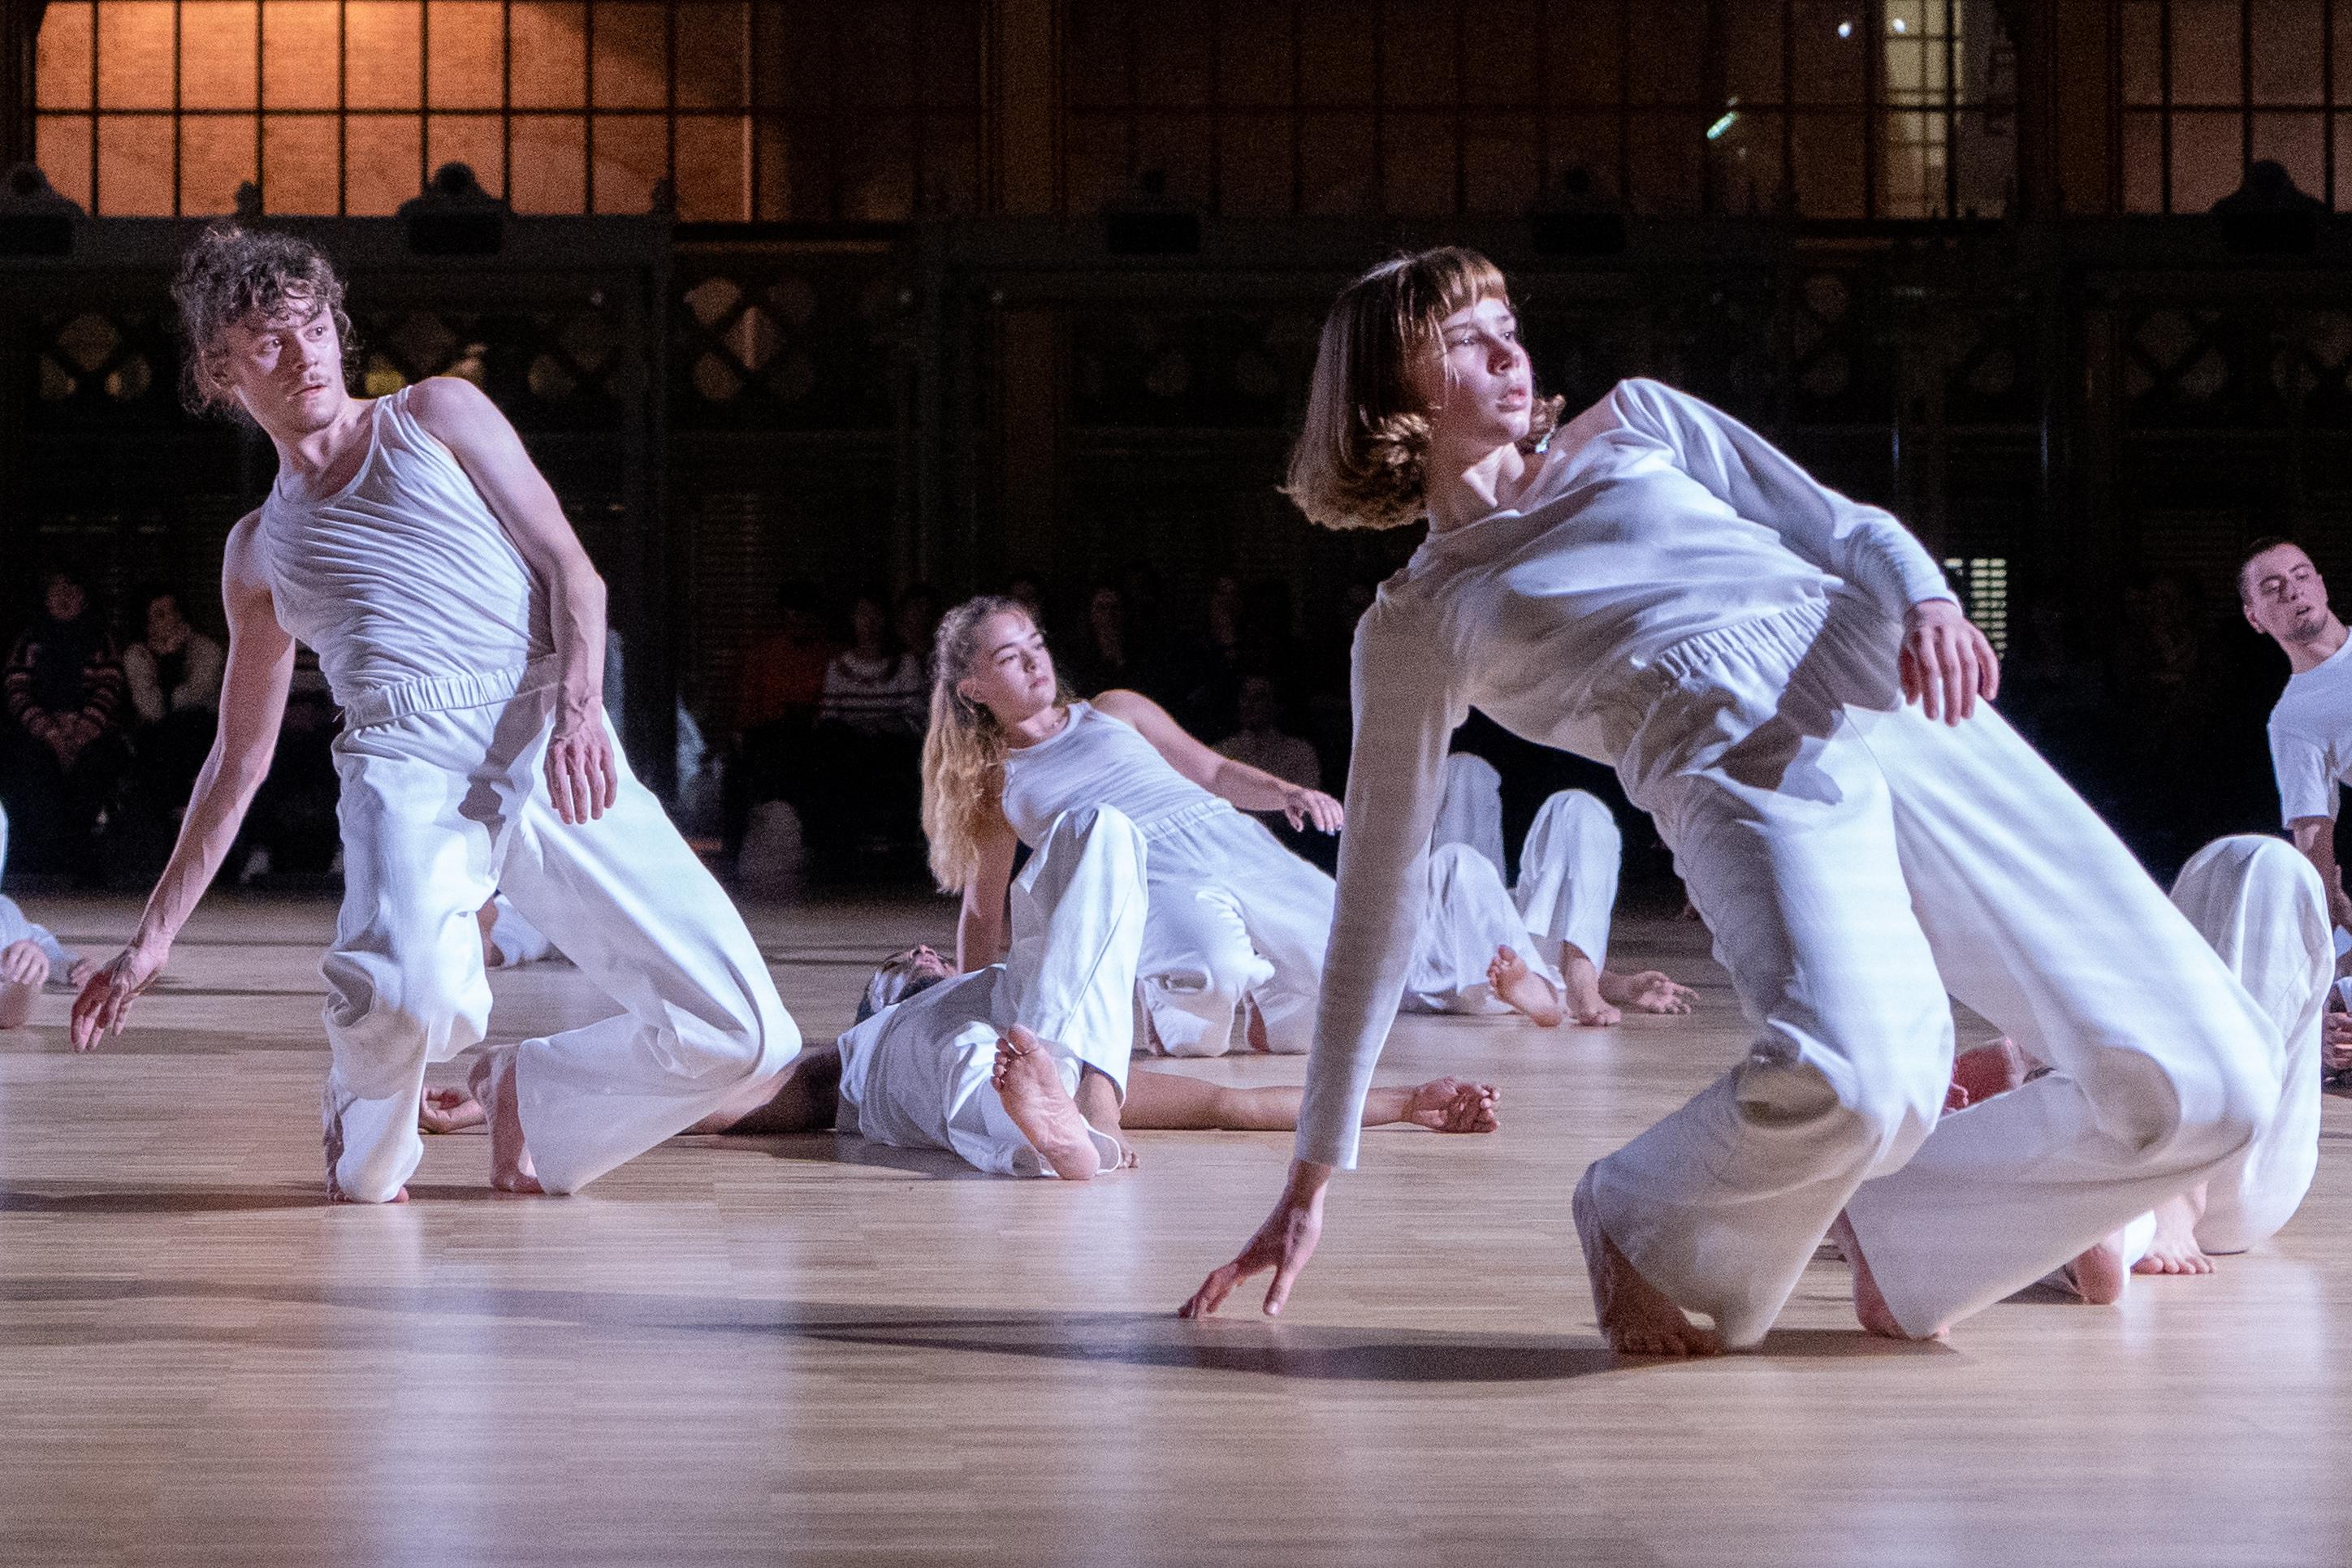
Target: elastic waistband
[1786, 633]
[435, 693]
[1185, 817]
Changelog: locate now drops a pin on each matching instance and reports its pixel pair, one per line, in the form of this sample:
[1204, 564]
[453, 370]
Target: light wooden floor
[786, 1352]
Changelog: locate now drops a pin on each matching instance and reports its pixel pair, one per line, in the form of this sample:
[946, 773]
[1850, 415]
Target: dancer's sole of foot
[1635, 1317]
[1453, 1105]
[2174, 1251]
[1870, 1308]
[1027, 1080]
[1580, 992]
[492, 1085]
[1523, 988]
[2098, 1274]
[1985, 1070]
[1650, 991]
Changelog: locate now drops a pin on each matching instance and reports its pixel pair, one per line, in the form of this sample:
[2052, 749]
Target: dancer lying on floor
[1465, 959]
[1021, 1067]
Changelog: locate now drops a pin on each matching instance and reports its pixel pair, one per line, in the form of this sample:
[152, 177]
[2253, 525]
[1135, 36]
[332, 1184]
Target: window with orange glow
[752, 110]
[2210, 86]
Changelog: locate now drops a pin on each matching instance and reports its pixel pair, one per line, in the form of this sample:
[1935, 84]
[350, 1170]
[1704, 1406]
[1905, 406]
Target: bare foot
[2099, 1275]
[1986, 1071]
[2175, 1248]
[1869, 1305]
[1453, 1105]
[1524, 990]
[1580, 990]
[448, 1110]
[1649, 991]
[1635, 1317]
[334, 1140]
[1031, 1088]
[492, 1085]
[1254, 1027]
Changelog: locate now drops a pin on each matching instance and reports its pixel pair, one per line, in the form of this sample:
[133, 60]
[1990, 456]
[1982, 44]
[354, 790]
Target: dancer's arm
[980, 925]
[2315, 837]
[582, 777]
[1251, 789]
[253, 706]
[1406, 713]
[1946, 662]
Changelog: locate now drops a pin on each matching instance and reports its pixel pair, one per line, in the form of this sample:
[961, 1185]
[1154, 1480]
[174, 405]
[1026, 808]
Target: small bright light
[1715, 131]
[1846, 29]
[1901, 25]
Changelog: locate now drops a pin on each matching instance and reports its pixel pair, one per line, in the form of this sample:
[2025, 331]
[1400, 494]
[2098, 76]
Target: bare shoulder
[452, 408]
[1127, 706]
[245, 575]
[241, 553]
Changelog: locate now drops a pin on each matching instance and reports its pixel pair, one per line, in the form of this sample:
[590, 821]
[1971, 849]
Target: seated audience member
[173, 672]
[1260, 740]
[65, 747]
[30, 958]
[292, 826]
[872, 686]
[777, 692]
[866, 791]
[917, 621]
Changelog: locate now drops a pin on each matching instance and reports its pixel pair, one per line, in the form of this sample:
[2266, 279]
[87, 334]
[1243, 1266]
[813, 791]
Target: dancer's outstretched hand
[1304, 806]
[1283, 1244]
[24, 964]
[104, 1004]
[583, 779]
[1946, 664]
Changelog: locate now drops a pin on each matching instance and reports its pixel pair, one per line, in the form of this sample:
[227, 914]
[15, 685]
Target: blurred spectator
[872, 686]
[65, 747]
[1097, 658]
[1026, 588]
[1261, 743]
[291, 828]
[866, 791]
[777, 694]
[917, 621]
[174, 675]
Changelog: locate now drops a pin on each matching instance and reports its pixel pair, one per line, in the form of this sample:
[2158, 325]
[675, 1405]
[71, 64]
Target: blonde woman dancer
[1782, 680]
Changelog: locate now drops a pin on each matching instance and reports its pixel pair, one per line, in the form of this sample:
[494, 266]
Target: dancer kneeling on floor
[1022, 1067]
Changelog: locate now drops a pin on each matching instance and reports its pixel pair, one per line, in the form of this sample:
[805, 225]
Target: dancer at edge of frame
[1022, 1068]
[1782, 678]
[1559, 911]
[410, 540]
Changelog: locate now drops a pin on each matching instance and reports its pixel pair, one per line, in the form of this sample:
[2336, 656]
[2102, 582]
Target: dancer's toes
[1522, 987]
[1634, 1316]
[1029, 1083]
[1870, 1308]
[1580, 991]
[492, 1085]
[1650, 991]
[2174, 1249]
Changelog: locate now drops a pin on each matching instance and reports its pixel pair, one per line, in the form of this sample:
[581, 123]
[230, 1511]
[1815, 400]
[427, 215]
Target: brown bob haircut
[1358, 462]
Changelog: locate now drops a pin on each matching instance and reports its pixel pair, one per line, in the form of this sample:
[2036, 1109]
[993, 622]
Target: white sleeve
[1405, 715]
[1864, 545]
[139, 674]
[60, 958]
[2306, 784]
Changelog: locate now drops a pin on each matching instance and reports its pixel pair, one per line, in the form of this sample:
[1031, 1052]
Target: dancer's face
[1479, 388]
[286, 370]
[1011, 674]
[2285, 596]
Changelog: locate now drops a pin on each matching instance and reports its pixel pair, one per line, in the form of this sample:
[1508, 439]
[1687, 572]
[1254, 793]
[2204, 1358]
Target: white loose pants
[441, 808]
[1855, 860]
[1470, 811]
[1568, 876]
[1466, 915]
[1233, 915]
[919, 1072]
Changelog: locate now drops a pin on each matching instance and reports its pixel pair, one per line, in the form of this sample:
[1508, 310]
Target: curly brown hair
[1358, 461]
[231, 273]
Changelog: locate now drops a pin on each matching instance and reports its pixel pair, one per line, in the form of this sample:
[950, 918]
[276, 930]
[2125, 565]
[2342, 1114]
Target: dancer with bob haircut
[1782, 678]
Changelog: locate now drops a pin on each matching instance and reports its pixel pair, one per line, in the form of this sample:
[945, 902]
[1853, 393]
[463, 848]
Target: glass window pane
[550, 162]
[549, 55]
[1752, 54]
[1829, 164]
[1586, 53]
[631, 152]
[2205, 54]
[134, 58]
[383, 58]
[877, 173]
[1094, 161]
[1416, 59]
[632, 58]
[714, 168]
[1498, 57]
[1832, 46]
[1177, 146]
[1498, 163]
[466, 60]
[217, 154]
[61, 147]
[61, 69]
[299, 54]
[2143, 162]
[301, 163]
[1665, 152]
[950, 174]
[1253, 165]
[1583, 157]
[1253, 55]
[2294, 141]
[1745, 163]
[1095, 55]
[383, 157]
[2286, 53]
[2208, 160]
[780, 185]
[1667, 59]
[1417, 164]
[1335, 163]
[1335, 55]
[1172, 65]
[474, 140]
[949, 50]
[713, 56]
[877, 55]
[134, 165]
[220, 48]
[2143, 55]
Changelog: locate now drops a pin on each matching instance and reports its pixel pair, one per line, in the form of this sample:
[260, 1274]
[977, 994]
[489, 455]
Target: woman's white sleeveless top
[1094, 760]
[403, 581]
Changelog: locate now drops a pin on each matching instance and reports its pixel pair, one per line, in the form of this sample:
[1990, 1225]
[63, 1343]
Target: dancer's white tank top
[403, 581]
[1094, 760]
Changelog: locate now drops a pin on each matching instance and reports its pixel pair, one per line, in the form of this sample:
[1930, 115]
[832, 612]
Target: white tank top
[405, 577]
[1093, 760]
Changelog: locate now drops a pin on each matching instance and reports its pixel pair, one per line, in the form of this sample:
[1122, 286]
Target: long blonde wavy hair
[1358, 461]
[963, 751]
